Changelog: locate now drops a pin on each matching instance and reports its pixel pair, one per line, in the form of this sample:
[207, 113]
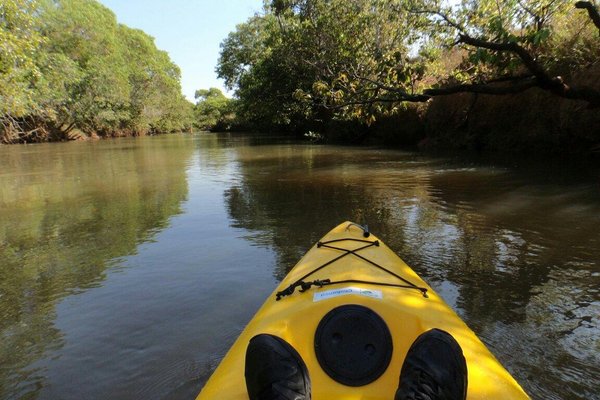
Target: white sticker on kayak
[328, 294]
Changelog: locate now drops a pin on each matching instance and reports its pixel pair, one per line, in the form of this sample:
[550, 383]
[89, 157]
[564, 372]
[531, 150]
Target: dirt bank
[533, 121]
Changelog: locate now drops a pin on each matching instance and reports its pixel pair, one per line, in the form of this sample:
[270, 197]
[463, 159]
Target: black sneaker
[275, 371]
[434, 369]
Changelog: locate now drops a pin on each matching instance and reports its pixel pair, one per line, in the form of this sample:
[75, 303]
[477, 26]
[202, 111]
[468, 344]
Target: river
[129, 266]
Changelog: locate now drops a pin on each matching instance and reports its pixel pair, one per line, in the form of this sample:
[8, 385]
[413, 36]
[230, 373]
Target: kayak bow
[351, 267]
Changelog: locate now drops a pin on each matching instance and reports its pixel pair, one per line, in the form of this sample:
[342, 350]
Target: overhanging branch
[543, 80]
[517, 86]
[555, 84]
[592, 12]
[512, 47]
[501, 86]
[442, 15]
[399, 93]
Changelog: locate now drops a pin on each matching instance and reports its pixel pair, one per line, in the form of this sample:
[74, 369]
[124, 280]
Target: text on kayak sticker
[328, 294]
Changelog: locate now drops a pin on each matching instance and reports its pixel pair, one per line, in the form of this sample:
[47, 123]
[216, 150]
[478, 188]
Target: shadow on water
[515, 251]
[68, 212]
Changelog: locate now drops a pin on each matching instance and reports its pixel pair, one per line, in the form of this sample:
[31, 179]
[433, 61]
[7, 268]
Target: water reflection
[67, 212]
[515, 252]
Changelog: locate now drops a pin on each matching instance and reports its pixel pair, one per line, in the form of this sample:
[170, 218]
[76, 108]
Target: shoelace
[421, 386]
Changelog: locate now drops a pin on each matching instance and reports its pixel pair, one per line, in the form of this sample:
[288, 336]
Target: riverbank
[43, 135]
[533, 122]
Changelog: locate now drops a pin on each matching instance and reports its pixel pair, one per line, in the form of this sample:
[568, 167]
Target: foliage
[542, 27]
[305, 61]
[67, 66]
[294, 65]
[155, 100]
[260, 66]
[213, 110]
[19, 41]
[352, 44]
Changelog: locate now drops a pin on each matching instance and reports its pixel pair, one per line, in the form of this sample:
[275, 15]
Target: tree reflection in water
[63, 225]
[514, 252]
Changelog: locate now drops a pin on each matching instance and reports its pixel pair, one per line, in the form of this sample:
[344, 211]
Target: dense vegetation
[308, 65]
[214, 111]
[68, 69]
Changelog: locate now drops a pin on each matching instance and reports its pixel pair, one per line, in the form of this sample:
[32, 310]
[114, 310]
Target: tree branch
[518, 86]
[374, 100]
[592, 12]
[442, 15]
[555, 84]
[501, 86]
[528, 10]
[402, 94]
[529, 62]
[542, 79]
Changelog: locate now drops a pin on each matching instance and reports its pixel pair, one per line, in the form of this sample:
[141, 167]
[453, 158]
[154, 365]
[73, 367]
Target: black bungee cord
[304, 286]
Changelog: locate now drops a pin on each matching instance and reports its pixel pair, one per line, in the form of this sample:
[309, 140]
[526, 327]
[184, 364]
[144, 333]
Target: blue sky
[189, 30]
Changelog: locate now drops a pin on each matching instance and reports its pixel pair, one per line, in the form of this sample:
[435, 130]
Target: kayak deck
[399, 296]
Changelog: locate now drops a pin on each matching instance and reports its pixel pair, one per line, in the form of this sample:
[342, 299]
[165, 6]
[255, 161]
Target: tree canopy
[358, 60]
[213, 110]
[68, 68]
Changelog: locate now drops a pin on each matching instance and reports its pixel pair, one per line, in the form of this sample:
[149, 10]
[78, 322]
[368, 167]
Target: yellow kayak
[351, 267]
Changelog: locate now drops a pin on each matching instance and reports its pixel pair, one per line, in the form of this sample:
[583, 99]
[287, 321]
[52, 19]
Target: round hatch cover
[353, 345]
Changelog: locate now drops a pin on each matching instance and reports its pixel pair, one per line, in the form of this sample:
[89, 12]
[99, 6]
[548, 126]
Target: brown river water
[129, 266]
